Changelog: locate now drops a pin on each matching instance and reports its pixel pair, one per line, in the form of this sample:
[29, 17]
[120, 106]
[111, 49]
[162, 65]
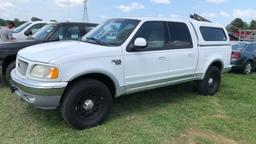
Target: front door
[147, 67]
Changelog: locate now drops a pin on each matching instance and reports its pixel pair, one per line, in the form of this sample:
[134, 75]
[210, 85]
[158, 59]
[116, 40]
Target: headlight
[45, 72]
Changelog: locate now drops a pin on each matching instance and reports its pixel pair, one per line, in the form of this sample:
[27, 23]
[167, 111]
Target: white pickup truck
[120, 56]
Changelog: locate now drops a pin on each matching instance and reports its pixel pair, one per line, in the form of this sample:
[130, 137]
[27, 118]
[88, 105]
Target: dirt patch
[191, 136]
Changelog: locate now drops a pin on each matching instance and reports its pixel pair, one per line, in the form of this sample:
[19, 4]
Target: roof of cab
[76, 23]
[194, 22]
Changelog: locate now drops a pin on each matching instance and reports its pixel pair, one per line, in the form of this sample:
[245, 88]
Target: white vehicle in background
[120, 56]
[28, 29]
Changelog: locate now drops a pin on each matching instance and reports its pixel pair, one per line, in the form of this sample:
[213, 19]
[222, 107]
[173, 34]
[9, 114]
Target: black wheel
[86, 104]
[211, 82]
[7, 73]
[247, 68]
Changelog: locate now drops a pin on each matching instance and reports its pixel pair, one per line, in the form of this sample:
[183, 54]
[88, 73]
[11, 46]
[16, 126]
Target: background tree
[237, 24]
[2, 22]
[16, 21]
[253, 25]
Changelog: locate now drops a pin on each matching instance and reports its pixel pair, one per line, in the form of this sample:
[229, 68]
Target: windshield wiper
[96, 40]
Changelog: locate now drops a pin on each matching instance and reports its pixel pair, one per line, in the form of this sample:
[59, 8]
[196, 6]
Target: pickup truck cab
[120, 56]
[28, 29]
[49, 33]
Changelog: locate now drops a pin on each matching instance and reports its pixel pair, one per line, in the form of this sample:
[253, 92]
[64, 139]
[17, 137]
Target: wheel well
[218, 64]
[7, 61]
[250, 60]
[100, 77]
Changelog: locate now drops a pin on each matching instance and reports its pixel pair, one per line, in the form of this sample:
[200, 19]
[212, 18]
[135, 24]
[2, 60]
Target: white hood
[63, 50]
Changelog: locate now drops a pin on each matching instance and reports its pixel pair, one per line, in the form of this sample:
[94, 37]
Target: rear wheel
[86, 104]
[247, 68]
[211, 82]
[7, 74]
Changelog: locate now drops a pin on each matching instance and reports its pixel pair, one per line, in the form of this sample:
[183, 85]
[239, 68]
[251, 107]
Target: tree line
[18, 22]
[238, 24]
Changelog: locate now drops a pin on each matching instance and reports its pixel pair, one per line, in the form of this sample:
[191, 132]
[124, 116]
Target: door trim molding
[158, 83]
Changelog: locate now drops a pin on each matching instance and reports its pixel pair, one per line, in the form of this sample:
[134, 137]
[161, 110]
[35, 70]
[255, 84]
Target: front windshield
[239, 46]
[21, 27]
[43, 32]
[113, 32]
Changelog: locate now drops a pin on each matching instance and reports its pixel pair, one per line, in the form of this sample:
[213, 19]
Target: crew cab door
[66, 32]
[146, 67]
[183, 51]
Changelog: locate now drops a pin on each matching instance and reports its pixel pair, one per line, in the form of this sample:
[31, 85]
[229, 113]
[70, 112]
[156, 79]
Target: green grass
[175, 114]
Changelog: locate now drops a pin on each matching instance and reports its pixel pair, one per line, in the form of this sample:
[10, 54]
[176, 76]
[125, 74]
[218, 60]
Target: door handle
[162, 58]
[190, 54]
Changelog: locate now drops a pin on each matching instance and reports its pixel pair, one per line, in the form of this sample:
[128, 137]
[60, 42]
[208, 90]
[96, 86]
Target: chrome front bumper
[43, 95]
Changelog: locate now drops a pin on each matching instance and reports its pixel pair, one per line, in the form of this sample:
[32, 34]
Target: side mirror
[28, 33]
[140, 43]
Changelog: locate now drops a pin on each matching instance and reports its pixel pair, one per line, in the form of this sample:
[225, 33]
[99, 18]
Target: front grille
[22, 67]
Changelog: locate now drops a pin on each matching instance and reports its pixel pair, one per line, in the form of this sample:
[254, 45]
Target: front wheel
[86, 104]
[7, 74]
[211, 82]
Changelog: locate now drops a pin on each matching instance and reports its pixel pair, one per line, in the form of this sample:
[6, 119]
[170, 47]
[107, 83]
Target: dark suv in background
[244, 57]
[49, 33]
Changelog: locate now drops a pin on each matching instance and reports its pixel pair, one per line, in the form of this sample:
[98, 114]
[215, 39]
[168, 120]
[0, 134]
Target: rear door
[183, 51]
[251, 51]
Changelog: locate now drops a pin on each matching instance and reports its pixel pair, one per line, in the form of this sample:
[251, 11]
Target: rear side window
[213, 34]
[67, 32]
[179, 36]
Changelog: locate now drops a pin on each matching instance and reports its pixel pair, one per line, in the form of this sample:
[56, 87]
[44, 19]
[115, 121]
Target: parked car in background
[121, 56]
[244, 57]
[49, 33]
[28, 29]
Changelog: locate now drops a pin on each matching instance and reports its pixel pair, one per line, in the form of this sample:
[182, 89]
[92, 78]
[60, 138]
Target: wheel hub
[88, 104]
[210, 81]
[248, 68]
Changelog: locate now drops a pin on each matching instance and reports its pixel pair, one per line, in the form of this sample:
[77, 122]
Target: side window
[86, 29]
[36, 27]
[154, 33]
[179, 36]
[67, 32]
[213, 34]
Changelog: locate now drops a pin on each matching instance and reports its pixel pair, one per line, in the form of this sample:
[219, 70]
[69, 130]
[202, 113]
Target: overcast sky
[220, 11]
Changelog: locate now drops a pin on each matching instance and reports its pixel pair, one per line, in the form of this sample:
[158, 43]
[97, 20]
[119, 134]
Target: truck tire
[7, 73]
[86, 104]
[247, 68]
[211, 82]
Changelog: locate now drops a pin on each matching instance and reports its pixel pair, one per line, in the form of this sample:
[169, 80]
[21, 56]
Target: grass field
[170, 115]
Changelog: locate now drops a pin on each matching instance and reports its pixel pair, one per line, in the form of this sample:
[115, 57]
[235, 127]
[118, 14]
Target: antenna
[85, 14]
